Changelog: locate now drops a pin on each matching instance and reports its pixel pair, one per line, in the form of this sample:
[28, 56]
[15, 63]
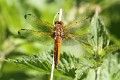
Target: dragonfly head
[59, 23]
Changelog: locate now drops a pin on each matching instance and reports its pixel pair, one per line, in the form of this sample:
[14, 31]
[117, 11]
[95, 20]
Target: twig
[52, 69]
[97, 72]
[60, 15]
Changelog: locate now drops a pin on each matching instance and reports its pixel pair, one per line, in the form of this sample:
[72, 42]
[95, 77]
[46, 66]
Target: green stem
[97, 73]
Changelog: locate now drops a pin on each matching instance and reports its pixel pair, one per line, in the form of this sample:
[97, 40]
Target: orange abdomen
[57, 48]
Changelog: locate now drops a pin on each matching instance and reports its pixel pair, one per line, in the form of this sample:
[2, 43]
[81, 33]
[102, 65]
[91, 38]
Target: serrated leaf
[85, 64]
[110, 67]
[100, 35]
[68, 64]
[83, 40]
[34, 62]
[116, 76]
[43, 63]
[112, 48]
[80, 72]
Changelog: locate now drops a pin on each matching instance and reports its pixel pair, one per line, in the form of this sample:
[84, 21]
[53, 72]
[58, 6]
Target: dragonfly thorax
[58, 30]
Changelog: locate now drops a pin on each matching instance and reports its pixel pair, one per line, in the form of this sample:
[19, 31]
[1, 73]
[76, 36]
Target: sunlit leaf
[100, 35]
[112, 48]
[85, 64]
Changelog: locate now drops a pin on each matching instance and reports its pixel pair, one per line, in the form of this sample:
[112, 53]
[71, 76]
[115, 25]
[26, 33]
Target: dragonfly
[57, 34]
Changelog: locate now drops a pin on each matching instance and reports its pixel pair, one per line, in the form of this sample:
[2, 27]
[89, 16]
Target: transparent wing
[78, 27]
[69, 42]
[31, 35]
[71, 39]
[74, 39]
[38, 23]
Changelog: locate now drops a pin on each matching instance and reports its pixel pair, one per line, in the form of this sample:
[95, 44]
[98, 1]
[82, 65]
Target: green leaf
[100, 35]
[116, 76]
[83, 40]
[39, 63]
[68, 64]
[43, 63]
[110, 67]
[112, 48]
[85, 64]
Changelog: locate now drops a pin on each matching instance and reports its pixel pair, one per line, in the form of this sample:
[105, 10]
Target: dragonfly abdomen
[57, 35]
[57, 49]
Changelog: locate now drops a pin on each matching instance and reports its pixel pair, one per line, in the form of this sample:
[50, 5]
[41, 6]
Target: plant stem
[60, 15]
[97, 73]
[52, 69]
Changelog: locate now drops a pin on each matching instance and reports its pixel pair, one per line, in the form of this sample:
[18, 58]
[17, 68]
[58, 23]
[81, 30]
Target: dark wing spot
[18, 32]
[92, 37]
[29, 14]
[22, 29]
[75, 22]
[25, 16]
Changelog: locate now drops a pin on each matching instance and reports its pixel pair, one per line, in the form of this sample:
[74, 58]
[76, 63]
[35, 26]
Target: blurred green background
[12, 19]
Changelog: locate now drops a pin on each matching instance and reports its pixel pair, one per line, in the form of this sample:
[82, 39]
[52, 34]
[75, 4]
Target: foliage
[102, 48]
[69, 66]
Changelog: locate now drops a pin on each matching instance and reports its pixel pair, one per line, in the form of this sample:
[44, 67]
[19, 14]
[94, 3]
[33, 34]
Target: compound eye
[56, 22]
